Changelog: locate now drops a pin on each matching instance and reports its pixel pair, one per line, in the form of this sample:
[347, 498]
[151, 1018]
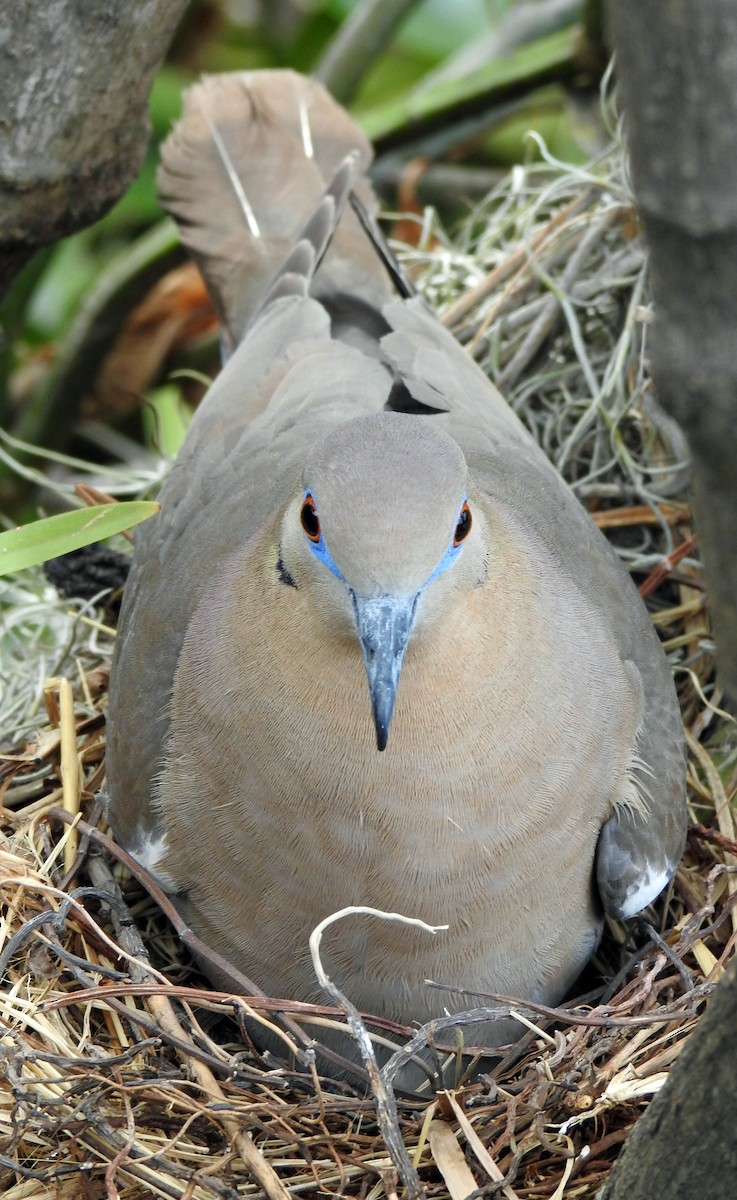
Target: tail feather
[296, 273]
[244, 171]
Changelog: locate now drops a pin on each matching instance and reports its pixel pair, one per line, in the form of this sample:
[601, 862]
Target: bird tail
[245, 172]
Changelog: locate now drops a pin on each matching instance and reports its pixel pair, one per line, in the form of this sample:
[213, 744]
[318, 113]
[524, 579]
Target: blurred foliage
[457, 84]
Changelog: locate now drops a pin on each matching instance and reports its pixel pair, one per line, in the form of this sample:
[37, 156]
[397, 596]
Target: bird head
[385, 536]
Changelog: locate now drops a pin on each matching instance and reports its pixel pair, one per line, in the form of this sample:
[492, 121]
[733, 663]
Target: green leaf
[166, 419]
[547, 59]
[52, 536]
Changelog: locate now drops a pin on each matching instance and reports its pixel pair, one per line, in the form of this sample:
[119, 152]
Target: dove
[372, 650]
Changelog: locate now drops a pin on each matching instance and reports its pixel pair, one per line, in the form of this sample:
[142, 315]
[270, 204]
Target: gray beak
[384, 625]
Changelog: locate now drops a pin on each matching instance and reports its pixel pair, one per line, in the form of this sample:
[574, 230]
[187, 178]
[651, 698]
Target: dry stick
[208, 997]
[541, 329]
[468, 302]
[711, 835]
[159, 1176]
[135, 1016]
[721, 806]
[451, 1161]
[509, 1006]
[693, 929]
[163, 1011]
[386, 1104]
[479, 1149]
[92, 495]
[664, 568]
[641, 514]
[98, 1132]
[70, 774]
[682, 969]
[124, 1150]
[521, 282]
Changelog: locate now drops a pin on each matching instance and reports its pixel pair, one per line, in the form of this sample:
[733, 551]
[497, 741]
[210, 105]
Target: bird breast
[491, 769]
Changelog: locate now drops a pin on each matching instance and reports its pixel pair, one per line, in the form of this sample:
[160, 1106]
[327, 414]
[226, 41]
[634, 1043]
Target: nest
[123, 1073]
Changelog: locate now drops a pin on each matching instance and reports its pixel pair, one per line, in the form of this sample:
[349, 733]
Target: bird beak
[384, 625]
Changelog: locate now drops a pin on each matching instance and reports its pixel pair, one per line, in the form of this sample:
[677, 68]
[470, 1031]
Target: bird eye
[463, 528]
[309, 519]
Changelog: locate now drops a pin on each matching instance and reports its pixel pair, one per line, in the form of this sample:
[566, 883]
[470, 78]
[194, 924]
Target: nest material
[121, 1079]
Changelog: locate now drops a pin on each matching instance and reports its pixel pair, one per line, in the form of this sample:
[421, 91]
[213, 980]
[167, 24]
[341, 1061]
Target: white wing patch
[149, 856]
[638, 897]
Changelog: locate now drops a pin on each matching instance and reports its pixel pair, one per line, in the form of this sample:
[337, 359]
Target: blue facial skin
[320, 550]
[384, 624]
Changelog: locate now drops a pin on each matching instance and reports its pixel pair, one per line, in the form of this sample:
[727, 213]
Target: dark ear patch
[283, 573]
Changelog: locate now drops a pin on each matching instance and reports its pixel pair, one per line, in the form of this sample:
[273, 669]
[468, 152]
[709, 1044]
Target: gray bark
[684, 1147]
[75, 76]
[677, 67]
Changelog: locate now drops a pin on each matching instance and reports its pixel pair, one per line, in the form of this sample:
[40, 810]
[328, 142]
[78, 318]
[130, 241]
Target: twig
[166, 1017]
[470, 300]
[715, 837]
[386, 1104]
[664, 568]
[70, 774]
[482, 1154]
[555, 303]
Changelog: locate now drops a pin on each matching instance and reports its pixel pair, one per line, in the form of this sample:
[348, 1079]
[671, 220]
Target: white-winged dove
[355, 501]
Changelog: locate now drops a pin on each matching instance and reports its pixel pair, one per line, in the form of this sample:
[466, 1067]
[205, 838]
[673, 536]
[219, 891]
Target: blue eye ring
[309, 519]
[310, 523]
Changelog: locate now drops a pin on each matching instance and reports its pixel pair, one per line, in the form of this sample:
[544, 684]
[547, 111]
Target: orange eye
[309, 519]
[463, 528]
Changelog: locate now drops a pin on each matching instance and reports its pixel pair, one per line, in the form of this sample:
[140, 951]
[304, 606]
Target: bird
[372, 649]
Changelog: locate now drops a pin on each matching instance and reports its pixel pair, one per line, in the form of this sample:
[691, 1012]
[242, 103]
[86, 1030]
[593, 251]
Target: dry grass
[120, 1081]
